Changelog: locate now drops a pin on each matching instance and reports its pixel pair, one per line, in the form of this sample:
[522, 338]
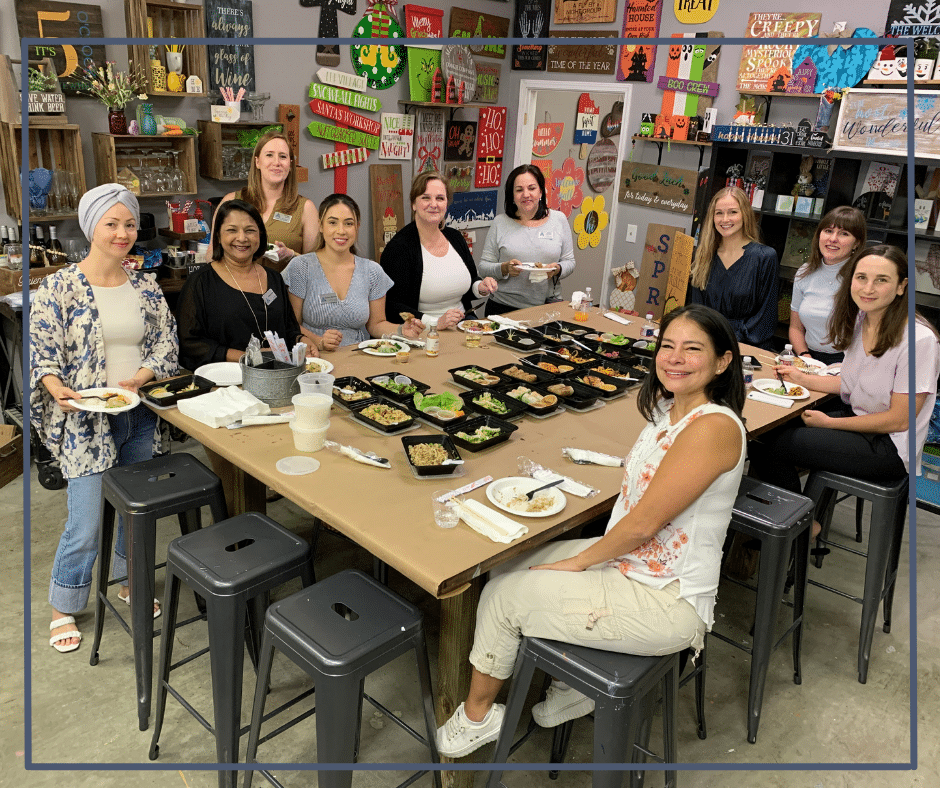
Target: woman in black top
[234, 297]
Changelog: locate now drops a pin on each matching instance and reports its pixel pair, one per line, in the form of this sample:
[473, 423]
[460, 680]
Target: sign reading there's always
[49, 20]
[491, 138]
[341, 79]
[657, 186]
[230, 65]
[345, 116]
[347, 97]
[346, 136]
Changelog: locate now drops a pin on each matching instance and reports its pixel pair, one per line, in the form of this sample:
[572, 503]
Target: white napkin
[618, 318]
[223, 406]
[576, 298]
[538, 276]
[770, 399]
[507, 321]
[568, 485]
[594, 457]
[489, 522]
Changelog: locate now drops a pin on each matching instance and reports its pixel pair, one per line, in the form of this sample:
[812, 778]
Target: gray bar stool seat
[339, 631]
[623, 688]
[233, 565]
[141, 494]
[889, 506]
[781, 521]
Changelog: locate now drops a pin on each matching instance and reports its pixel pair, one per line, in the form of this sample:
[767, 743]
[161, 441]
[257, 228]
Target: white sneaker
[561, 704]
[460, 736]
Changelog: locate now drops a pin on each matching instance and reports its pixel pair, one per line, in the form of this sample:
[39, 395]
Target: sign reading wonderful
[46, 19]
[231, 66]
[656, 186]
[765, 66]
[876, 120]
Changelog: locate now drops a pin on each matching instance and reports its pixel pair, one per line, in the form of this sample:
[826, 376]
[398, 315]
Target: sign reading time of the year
[491, 134]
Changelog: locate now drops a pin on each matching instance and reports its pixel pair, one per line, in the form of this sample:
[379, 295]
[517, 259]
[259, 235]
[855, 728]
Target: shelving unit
[659, 142]
[438, 105]
[167, 20]
[53, 147]
[213, 137]
[114, 152]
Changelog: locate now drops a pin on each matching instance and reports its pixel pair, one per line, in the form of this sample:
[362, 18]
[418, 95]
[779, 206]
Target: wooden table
[388, 512]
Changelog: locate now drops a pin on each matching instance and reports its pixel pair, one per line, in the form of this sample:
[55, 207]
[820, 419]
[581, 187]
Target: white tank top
[443, 284]
[122, 327]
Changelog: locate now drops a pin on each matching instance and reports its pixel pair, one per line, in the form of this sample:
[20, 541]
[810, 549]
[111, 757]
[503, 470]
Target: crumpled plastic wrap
[356, 454]
[529, 468]
[587, 457]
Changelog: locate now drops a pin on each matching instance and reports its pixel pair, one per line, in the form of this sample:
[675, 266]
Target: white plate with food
[534, 266]
[509, 495]
[116, 400]
[809, 365]
[381, 347]
[318, 365]
[483, 326]
[775, 387]
[222, 373]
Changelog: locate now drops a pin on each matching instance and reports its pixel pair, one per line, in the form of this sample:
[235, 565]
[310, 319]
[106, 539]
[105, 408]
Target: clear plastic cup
[309, 439]
[316, 383]
[446, 514]
[311, 411]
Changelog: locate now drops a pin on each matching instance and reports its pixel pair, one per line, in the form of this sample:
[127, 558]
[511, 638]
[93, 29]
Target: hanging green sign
[347, 97]
[348, 136]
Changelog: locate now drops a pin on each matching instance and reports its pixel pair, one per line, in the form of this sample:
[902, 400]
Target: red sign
[546, 138]
[491, 135]
[346, 117]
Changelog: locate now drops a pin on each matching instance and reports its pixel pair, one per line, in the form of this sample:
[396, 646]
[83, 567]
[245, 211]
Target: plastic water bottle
[786, 358]
[648, 327]
[748, 369]
[588, 299]
[203, 226]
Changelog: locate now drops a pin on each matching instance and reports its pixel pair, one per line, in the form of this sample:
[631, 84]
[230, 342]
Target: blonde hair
[289, 200]
[709, 239]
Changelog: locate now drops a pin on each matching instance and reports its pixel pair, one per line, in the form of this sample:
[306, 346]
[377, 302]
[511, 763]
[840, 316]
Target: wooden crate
[10, 94]
[212, 138]
[167, 19]
[52, 147]
[114, 152]
[12, 281]
[11, 454]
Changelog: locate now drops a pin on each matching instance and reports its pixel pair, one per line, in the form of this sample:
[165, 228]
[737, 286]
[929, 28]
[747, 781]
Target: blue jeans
[71, 570]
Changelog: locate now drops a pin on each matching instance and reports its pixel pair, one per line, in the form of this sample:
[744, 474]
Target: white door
[556, 102]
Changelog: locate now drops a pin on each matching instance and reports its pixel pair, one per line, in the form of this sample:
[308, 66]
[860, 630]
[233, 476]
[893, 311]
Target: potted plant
[114, 89]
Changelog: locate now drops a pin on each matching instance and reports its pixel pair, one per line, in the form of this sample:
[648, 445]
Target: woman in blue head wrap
[95, 324]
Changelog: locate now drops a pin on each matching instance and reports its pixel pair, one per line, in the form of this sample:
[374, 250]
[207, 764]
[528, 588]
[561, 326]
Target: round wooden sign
[458, 62]
[602, 165]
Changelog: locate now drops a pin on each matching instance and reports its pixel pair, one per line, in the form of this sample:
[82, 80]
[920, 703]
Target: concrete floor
[86, 715]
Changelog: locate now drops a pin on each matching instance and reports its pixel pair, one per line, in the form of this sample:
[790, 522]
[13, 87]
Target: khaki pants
[599, 608]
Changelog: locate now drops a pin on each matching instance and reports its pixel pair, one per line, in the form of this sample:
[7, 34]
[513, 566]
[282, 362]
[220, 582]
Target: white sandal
[156, 613]
[73, 633]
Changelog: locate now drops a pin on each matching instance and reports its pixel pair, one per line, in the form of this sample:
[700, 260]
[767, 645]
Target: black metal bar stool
[143, 493]
[620, 686]
[339, 631]
[889, 506]
[781, 521]
[233, 565]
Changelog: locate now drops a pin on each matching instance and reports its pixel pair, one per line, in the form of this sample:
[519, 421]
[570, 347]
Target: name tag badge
[546, 235]
[269, 297]
[329, 298]
[282, 217]
[152, 319]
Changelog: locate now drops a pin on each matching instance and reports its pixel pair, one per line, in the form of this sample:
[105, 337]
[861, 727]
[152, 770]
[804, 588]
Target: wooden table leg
[243, 492]
[458, 619]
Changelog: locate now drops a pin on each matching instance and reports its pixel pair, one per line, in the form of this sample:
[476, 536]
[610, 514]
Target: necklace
[252, 311]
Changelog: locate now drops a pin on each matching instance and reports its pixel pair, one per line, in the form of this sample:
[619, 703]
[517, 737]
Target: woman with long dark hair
[528, 232]
[648, 585]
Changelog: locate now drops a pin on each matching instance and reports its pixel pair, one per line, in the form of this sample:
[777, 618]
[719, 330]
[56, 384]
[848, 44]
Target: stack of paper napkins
[223, 406]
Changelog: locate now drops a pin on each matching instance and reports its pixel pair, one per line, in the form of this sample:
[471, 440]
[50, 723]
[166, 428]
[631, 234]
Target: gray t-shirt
[507, 239]
[322, 308]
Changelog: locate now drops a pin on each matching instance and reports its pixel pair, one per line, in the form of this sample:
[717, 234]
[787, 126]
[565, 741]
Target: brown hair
[289, 200]
[509, 205]
[330, 202]
[709, 239]
[845, 311]
[420, 185]
[843, 217]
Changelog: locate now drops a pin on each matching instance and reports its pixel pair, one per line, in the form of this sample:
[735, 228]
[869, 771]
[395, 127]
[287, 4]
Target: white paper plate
[101, 406]
[765, 384]
[462, 323]
[810, 362]
[531, 267]
[366, 347]
[505, 489]
[222, 373]
[322, 365]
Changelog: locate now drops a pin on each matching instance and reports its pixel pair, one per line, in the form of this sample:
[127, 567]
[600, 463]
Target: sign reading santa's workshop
[491, 134]
[768, 67]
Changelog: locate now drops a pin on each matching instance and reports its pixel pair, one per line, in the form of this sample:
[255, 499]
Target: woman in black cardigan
[434, 273]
